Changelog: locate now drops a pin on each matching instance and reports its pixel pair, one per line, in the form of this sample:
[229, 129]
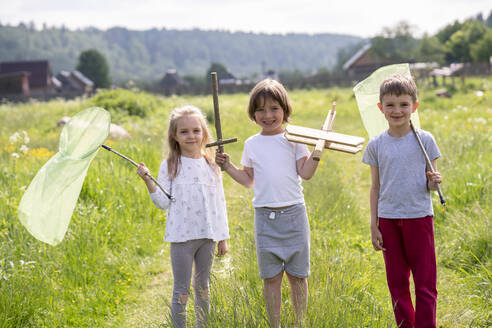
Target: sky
[363, 18]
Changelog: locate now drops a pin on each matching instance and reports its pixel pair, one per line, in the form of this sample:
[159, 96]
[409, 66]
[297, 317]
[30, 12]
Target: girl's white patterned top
[199, 210]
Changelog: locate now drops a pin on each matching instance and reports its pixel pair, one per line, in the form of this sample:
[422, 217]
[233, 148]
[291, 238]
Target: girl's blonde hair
[174, 156]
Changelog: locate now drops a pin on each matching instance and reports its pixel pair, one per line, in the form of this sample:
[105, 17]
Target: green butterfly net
[367, 96]
[48, 203]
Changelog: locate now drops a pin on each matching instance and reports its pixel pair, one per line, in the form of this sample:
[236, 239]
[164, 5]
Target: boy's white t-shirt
[273, 159]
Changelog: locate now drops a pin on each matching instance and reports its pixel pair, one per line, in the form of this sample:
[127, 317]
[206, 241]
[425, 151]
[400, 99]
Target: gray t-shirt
[403, 190]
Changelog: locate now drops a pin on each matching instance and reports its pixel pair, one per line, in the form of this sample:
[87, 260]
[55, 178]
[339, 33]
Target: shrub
[121, 100]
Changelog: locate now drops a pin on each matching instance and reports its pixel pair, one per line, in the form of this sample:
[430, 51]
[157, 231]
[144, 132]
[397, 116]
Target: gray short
[282, 241]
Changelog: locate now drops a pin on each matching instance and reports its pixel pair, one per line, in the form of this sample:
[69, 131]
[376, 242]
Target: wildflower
[40, 153]
[19, 137]
[15, 155]
[479, 93]
[26, 137]
[14, 138]
[9, 148]
[24, 149]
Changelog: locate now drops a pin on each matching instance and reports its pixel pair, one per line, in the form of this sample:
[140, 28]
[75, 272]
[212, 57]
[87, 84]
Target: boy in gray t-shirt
[401, 206]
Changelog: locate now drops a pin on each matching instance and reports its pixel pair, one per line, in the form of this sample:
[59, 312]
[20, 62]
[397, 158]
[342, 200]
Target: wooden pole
[327, 126]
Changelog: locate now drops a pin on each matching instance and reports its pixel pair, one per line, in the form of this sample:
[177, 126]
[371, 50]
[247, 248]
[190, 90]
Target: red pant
[409, 247]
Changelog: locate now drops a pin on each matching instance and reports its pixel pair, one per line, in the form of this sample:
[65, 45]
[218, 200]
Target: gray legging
[183, 255]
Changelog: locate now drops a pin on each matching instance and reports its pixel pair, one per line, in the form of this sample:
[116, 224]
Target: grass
[113, 270]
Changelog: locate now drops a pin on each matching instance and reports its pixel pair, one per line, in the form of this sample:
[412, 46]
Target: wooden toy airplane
[324, 138]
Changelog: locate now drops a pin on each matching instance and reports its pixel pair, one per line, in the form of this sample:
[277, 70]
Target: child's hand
[222, 248]
[433, 178]
[377, 238]
[222, 159]
[143, 172]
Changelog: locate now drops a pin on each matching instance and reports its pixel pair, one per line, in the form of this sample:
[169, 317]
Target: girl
[198, 218]
[274, 166]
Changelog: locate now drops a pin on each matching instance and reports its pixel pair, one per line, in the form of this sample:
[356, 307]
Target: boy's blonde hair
[398, 85]
[269, 88]
[174, 156]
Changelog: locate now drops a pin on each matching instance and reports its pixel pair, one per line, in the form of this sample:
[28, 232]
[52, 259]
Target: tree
[221, 70]
[445, 34]
[482, 50]
[396, 43]
[93, 65]
[460, 42]
[431, 50]
[488, 22]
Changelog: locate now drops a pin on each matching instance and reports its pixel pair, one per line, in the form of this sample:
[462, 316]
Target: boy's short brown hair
[269, 88]
[398, 84]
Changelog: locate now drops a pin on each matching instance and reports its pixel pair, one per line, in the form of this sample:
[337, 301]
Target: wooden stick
[215, 94]
[428, 162]
[327, 126]
[218, 129]
[223, 142]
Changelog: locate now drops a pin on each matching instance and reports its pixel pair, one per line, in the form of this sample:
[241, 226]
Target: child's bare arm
[143, 172]
[433, 178]
[306, 167]
[244, 176]
[376, 236]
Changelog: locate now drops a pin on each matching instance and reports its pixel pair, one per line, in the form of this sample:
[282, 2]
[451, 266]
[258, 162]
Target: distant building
[172, 83]
[74, 83]
[270, 74]
[26, 78]
[14, 83]
[364, 62]
[226, 78]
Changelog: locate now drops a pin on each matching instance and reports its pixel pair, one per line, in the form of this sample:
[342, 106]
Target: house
[74, 83]
[226, 78]
[270, 74]
[26, 78]
[172, 83]
[14, 83]
[364, 62]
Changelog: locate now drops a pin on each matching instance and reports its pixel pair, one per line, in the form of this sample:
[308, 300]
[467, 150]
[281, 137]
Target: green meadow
[113, 268]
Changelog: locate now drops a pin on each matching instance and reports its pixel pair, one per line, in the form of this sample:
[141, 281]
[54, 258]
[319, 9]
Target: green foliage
[396, 43]
[431, 50]
[147, 55]
[456, 42]
[481, 51]
[221, 71]
[488, 22]
[121, 100]
[460, 42]
[445, 34]
[93, 65]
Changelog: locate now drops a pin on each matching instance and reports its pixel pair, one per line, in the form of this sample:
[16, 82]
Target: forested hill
[146, 55]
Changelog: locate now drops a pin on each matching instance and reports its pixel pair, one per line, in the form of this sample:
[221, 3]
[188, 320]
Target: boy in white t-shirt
[275, 166]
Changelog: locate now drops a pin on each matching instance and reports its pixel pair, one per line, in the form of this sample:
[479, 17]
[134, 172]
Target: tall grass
[103, 273]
